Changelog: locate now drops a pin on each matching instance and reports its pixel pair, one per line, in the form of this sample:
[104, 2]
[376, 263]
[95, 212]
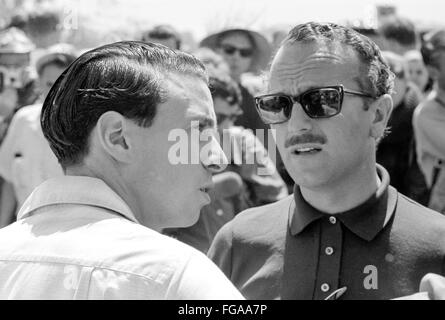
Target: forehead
[415, 63]
[188, 99]
[236, 38]
[302, 66]
[51, 70]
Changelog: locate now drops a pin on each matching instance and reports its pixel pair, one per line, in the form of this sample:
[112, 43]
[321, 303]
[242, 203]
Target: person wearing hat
[245, 51]
[17, 88]
[16, 83]
[25, 157]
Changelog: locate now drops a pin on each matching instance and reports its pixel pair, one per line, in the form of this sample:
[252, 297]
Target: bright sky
[202, 16]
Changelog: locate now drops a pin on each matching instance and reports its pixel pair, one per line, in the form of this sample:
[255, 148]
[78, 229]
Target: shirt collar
[365, 220]
[75, 190]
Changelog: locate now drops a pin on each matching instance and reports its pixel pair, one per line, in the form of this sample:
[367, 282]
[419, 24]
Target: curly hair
[379, 79]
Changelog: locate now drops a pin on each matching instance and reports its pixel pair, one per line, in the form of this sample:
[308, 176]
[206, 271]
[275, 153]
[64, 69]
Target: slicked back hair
[126, 77]
[378, 78]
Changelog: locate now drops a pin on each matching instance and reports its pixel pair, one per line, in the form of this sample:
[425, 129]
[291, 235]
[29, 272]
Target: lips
[305, 150]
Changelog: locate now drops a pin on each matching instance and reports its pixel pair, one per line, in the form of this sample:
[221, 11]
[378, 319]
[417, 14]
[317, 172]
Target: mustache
[304, 138]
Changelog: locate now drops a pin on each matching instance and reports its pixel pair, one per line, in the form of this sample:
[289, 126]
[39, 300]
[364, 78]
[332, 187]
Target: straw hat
[60, 49]
[262, 53]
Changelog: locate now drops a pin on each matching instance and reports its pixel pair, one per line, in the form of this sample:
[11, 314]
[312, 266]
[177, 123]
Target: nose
[213, 157]
[299, 121]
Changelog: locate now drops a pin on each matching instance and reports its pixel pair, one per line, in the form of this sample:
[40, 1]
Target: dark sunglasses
[244, 52]
[317, 103]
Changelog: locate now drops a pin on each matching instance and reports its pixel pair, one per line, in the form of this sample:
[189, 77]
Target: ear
[381, 111]
[112, 134]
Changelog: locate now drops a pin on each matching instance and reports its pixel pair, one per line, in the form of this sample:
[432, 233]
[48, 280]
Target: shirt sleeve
[220, 251]
[201, 279]
[432, 129]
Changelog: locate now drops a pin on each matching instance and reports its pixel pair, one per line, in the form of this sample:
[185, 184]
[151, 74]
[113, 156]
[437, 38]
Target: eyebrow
[306, 88]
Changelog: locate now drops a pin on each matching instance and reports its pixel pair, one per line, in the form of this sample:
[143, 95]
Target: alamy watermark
[232, 146]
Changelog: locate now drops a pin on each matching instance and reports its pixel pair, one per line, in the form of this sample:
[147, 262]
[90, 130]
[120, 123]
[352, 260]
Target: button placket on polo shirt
[329, 259]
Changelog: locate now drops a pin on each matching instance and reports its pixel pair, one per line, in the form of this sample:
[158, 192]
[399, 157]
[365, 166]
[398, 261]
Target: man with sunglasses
[244, 51]
[345, 232]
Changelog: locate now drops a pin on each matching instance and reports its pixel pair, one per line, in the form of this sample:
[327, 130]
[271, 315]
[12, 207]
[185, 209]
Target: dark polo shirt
[290, 250]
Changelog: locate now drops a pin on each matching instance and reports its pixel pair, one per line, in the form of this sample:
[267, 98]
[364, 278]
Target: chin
[309, 179]
[189, 216]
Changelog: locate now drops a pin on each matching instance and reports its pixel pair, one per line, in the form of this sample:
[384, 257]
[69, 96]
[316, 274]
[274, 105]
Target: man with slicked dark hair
[94, 232]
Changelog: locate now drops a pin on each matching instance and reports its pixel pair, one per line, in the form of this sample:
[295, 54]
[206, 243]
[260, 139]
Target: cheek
[349, 135]
[280, 135]
[246, 63]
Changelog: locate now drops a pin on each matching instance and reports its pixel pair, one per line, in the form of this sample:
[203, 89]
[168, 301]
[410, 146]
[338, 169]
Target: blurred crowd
[32, 57]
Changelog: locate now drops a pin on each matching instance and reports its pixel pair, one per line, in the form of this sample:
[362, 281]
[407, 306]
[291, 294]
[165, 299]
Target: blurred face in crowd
[168, 42]
[14, 74]
[323, 152]
[226, 113]
[400, 87]
[437, 71]
[417, 73]
[237, 51]
[172, 192]
[49, 75]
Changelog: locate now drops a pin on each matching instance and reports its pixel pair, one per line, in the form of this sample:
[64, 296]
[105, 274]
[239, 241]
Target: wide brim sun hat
[261, 56]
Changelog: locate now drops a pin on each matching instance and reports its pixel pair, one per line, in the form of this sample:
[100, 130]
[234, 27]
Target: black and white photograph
[238, 152]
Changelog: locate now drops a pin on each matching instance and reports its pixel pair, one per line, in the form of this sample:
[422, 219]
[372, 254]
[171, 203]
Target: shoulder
[27, 117]
[189, 273]
[419, 221]
[29, 113]
[428, 108]
[263, 223]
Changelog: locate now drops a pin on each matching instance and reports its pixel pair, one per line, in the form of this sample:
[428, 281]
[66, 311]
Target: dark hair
[432, 42]
[162, 32]
[59, 60]
[400, 30]
[221, 85]
[43, 21]
[379, 78]
[125, 77]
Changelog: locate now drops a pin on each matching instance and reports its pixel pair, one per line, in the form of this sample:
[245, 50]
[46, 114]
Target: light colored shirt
[75, 238]
[26, 160]
[429, 131]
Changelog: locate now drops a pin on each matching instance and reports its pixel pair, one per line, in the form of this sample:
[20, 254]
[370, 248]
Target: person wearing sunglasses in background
[244, 51]
[247, 53]
[345, 232]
